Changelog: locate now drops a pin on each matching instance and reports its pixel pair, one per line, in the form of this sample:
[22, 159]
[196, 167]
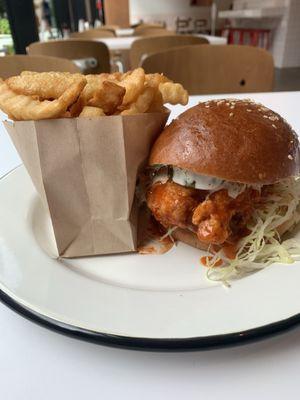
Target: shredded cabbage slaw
[263, 246]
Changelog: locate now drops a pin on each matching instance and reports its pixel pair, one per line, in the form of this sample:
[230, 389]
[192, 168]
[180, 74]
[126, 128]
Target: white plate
[157, 302]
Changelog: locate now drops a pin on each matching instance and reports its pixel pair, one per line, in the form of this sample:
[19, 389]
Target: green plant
[10, 50]
[4, 26]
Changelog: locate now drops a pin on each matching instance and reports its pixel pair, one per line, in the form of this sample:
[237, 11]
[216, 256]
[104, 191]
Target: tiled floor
[287, 79]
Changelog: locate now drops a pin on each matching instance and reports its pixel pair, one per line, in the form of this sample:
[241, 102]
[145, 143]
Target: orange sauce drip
[229, 250]
[204, 259]
[150, 235]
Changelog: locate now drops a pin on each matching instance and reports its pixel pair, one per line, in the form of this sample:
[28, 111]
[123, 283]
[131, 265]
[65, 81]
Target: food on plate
[45, 85]
[99, 93]
[22, 107]
[43, 95]
[89, 111]
[224, 178]
[142, 102]
[173, 93]
[133, 84]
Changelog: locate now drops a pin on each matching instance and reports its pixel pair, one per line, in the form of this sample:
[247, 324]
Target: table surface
[124, 43]
[39, 364]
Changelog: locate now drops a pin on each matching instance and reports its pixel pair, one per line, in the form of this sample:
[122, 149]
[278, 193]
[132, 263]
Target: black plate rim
[152, 344]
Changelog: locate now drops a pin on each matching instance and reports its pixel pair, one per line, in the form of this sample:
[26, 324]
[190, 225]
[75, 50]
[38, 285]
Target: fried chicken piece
[173, 204]
[212, 218]
[216, 219]
[221, 216]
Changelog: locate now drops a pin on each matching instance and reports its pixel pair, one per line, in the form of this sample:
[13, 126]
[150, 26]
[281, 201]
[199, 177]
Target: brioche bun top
[235, 140]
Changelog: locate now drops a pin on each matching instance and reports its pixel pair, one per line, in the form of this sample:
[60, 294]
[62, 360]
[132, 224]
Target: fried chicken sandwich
[224, 178]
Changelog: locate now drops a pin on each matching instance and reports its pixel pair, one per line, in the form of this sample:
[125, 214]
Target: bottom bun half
[190, 238]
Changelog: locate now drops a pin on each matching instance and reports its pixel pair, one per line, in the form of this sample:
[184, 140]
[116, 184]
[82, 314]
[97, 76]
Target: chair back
[143, 47]
[145, 25]
[215, 69]
[91, 56]
[151, 30]
[14, 65]
[111, 28]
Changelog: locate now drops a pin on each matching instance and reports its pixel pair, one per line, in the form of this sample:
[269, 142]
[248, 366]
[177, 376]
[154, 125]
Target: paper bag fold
[85, 171]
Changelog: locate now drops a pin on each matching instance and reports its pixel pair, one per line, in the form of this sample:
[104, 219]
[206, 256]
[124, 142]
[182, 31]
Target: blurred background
[111, 35]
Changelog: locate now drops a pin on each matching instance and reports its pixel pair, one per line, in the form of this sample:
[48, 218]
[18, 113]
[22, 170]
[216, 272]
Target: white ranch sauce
[202, 182]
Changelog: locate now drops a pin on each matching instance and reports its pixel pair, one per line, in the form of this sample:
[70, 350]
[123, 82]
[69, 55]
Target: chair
[111, 28]
[151, 30]
[14, 65]
[75, 50]
[92, 34]
[156, 32]
[215, 69]
[143, 25]
[141, 48]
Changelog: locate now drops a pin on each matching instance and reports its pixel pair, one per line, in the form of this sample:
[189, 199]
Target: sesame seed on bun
[235, 140]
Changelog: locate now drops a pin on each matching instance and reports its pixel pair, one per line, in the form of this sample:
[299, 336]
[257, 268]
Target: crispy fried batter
[100, 92]
[34, 95]
[220, 216]
[216, 219]
[173, 93]
[22, 107]
[154, 80]
[142, 103]
[89, 111]
[108, 98]
[45, 85]
[172, 204]
[133, 82]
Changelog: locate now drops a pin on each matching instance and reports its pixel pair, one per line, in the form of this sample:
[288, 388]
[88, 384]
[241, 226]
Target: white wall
[165, 11]
[242, 4]
[156, 7]
[285, 31]
[169, 10]
[291, 52]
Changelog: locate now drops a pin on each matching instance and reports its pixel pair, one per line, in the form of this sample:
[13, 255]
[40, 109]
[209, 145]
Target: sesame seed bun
[235, 140]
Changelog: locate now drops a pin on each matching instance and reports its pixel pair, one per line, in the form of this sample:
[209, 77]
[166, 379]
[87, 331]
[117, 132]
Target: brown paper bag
[85, 171]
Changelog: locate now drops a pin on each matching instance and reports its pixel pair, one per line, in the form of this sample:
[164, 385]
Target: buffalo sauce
[204, 260]
[152, 237]
[230, 250]
[221, 217]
